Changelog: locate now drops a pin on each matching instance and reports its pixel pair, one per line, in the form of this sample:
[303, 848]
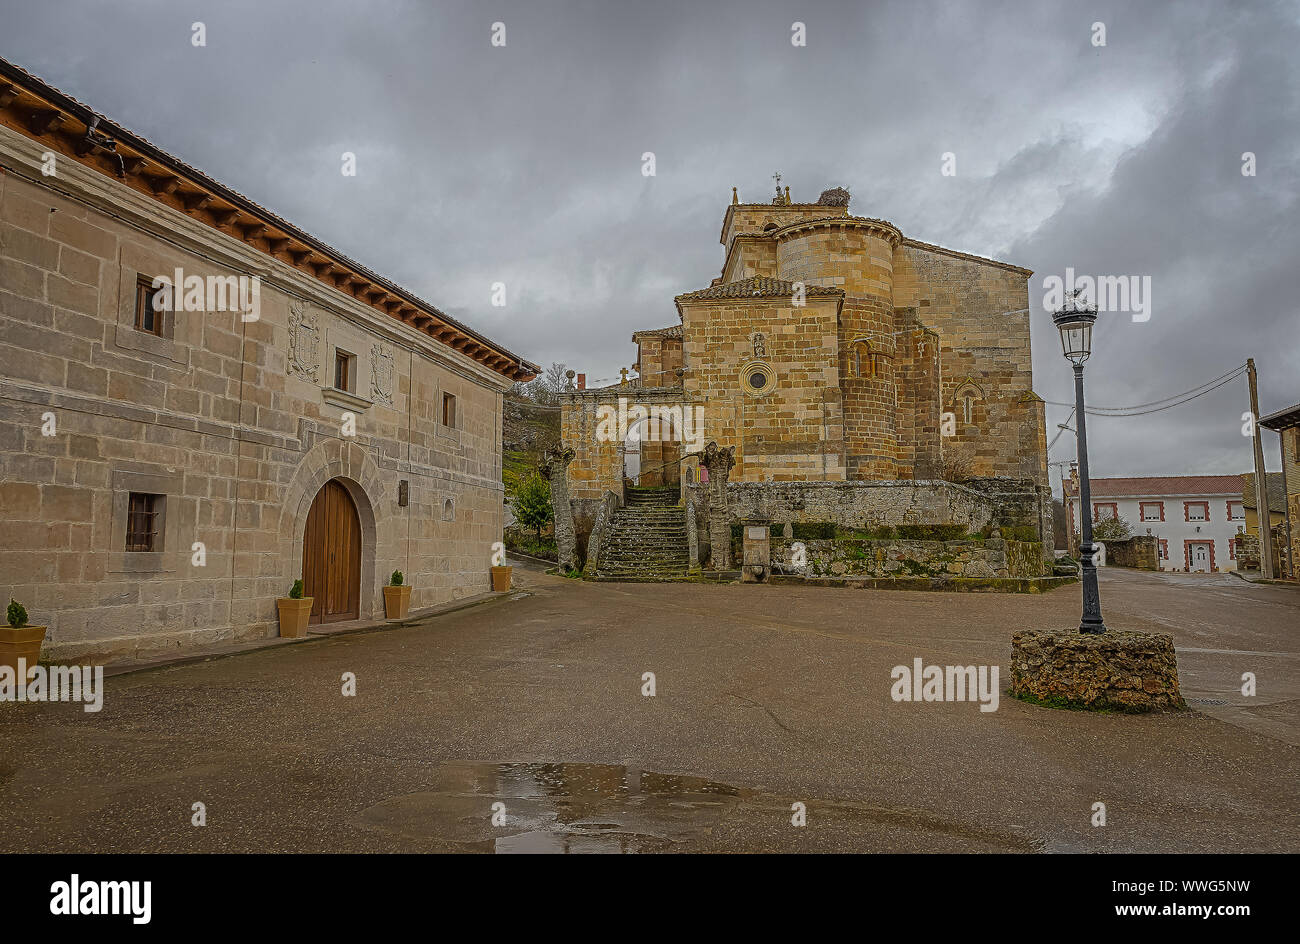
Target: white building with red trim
[1194, 517]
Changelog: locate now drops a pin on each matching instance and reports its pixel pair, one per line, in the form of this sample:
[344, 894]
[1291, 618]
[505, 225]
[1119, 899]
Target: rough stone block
[1116, 670]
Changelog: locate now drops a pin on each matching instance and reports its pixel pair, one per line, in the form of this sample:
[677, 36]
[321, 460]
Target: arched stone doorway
[652, 450]
[331, 555]
[633, 446]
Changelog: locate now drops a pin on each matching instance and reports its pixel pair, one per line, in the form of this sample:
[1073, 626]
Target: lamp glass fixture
[1076, 333]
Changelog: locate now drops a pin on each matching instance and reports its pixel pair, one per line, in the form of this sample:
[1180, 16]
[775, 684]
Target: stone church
[170, 464]
[830, 349]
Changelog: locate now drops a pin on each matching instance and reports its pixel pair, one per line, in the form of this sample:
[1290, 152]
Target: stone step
[647, 538]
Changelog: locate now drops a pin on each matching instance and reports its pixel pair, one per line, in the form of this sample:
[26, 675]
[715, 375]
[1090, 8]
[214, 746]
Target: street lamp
[1075, 324]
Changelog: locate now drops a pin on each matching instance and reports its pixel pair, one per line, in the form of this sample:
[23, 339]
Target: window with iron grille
[142, 522]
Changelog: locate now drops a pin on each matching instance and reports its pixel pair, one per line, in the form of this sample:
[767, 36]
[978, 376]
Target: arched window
[963, 400]
[864, 359]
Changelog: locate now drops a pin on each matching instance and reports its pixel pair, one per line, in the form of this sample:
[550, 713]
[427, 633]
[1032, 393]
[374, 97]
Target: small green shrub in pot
[396, 579]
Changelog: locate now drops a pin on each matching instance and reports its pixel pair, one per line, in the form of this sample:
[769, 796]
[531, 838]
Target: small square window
[449, 411]
[1236, 511]
[142, 520]
[344, 370]
[1197, 511]
[152, 308]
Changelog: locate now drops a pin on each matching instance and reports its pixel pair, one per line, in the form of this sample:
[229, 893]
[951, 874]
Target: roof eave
[352, 277]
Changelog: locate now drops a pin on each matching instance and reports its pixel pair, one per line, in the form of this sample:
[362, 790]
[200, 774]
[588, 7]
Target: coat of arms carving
[304, 338]
[381, 374]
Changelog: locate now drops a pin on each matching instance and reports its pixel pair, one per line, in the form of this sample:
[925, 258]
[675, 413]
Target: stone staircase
[647, 538]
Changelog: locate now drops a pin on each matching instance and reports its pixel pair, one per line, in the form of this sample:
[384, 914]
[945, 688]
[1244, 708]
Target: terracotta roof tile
[672, 331]
[757, 287]
[1155, 486]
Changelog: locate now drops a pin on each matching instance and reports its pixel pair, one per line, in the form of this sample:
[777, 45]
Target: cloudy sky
[522, 163]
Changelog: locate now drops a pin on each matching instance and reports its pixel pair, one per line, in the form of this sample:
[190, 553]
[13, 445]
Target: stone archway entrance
[331, 555]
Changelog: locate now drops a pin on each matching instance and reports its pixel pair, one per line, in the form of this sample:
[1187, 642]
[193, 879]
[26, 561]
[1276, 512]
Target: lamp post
[1075, 325]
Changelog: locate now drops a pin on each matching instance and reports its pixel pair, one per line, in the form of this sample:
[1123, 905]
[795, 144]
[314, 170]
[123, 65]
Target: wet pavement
[520, 726]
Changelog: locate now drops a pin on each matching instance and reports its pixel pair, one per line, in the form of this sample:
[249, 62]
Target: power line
[1061, 431]
[1178, 399]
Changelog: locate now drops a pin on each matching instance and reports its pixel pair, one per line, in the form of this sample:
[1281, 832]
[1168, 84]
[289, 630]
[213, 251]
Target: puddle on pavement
[608, 808]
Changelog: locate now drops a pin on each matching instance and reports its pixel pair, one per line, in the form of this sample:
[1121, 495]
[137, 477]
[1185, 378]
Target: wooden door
[331, 556]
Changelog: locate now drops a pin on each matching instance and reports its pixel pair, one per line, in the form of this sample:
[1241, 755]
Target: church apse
[831, 346]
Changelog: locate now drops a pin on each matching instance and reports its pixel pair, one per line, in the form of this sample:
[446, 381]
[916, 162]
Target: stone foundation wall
[903, 558]
[863, 504]
[1247, 551]
[1123, 671]
[1141, 551]
[1025, 559]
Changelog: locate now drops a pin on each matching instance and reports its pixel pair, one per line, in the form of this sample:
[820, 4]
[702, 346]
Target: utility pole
[1263, 514]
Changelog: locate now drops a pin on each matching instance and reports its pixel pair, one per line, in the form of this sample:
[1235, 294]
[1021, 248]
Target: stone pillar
[554, 467]
[692, 539]
[719, 462]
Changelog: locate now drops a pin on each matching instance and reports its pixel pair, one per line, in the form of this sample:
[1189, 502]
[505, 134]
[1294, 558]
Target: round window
[759, 379]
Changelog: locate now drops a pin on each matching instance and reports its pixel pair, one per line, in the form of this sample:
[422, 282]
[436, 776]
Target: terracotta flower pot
[397, 601]
[501, 579]
[21, 643]
[294, 615]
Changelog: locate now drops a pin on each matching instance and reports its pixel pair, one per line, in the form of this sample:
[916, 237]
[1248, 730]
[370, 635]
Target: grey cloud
[522, 164]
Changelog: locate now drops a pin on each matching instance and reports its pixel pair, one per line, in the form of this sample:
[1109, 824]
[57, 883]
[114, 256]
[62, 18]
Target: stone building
[171, 461]
[1286, 423]
[830, 349]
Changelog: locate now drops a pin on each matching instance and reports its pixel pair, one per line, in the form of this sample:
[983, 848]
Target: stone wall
[1247, 550]
[233, 422]
[979, 309]
[1026, 559]
[1141, 551]
[598, 444]
[1115, 670]
[1291, 478]
[898, 558]
[866, 505]
[856, 256]
[795, 430]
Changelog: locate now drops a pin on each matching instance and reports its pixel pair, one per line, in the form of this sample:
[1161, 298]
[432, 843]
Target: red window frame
[1097, 506]
[1240, 504]
[1142, 510]
[1164, 550]
[1187, 510]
